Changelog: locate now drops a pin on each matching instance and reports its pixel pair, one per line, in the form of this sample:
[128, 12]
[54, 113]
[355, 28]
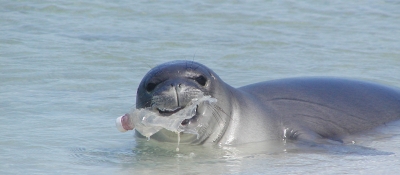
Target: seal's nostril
[176, 85]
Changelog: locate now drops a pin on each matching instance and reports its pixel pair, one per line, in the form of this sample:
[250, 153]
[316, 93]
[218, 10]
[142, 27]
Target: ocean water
[69, 68]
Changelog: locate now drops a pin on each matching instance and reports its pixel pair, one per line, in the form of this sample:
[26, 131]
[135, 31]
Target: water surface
[68, 69]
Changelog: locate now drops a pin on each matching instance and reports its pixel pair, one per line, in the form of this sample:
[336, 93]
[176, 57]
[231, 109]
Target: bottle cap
[118, 123]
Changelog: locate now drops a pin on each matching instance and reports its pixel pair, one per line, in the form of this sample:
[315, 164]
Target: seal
[310, 108]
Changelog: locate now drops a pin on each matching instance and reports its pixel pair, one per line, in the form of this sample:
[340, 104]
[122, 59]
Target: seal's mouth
[169, 112]
[190, 120]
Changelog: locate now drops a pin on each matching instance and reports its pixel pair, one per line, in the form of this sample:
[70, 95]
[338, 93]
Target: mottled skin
[311, 109]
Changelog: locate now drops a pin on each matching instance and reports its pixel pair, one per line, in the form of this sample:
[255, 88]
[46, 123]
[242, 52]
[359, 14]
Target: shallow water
[68, 69]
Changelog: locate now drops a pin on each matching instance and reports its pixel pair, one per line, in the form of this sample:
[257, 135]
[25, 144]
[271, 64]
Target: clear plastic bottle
[148, 122]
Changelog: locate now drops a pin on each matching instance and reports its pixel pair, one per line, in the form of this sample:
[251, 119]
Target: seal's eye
[201, 80]
[150, 87]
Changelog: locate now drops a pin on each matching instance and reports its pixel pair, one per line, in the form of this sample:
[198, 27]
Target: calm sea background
[69, 68]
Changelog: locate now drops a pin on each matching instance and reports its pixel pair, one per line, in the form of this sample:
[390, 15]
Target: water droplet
[179, 140]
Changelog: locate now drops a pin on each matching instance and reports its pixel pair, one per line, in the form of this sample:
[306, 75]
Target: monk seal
[308, 108]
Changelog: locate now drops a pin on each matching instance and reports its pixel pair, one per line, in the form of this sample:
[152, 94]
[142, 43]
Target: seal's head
[171, 86]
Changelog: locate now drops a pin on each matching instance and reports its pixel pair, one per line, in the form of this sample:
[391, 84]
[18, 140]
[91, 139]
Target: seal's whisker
[216, 111]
